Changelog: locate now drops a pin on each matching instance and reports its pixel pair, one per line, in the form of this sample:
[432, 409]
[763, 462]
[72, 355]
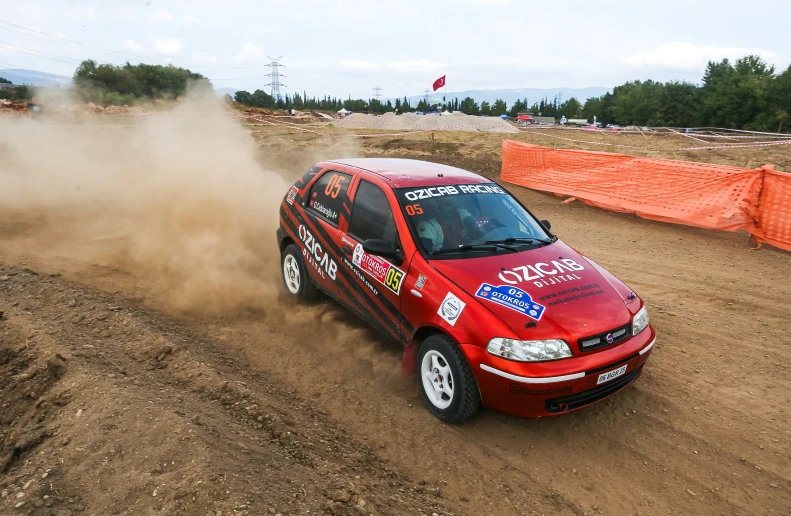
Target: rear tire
[295, 275]
[446, 381]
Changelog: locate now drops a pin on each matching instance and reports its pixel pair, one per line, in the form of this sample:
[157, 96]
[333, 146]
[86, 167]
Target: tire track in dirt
[136, 415]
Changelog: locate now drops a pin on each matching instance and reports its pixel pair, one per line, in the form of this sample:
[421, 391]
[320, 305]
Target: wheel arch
[285, 242]
[409, 361]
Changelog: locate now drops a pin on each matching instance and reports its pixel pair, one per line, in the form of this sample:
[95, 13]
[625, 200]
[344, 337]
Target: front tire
[295, 275]
[446, 381]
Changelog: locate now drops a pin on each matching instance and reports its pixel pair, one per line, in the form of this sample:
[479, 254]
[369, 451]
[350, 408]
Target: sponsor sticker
[523, 390]
[421, 280]
[292, 194]
[511, 297]
[327, 212]
[441, 191]
[315, 255]
[451, 308]
[380, 269]
[543, 274]
[360, 275]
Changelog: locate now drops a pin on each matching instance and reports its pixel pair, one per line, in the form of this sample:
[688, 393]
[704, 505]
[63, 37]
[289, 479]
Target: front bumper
[556, 387]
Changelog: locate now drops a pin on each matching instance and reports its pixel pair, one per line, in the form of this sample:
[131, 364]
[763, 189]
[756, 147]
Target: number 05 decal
[334, 185]
[413, 209]
[393, 279]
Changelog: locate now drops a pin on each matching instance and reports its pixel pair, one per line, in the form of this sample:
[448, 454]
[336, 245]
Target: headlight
[529, 350]
[640, 321]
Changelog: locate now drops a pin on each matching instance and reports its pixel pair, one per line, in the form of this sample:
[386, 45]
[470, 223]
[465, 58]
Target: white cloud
[202, 58]
[161, 16]
[188, 18]
[82, 14]
[365, 10]
[358, 65]
[35, 11]
[250, 52]
[416, 66]
[686, 56]
[132, 45]
[482, 2]
[168, 47]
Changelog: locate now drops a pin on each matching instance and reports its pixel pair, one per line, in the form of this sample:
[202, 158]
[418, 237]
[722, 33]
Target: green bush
[118, 99]
[94, 82]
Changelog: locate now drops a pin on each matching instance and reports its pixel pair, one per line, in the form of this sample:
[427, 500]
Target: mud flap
[409, 361]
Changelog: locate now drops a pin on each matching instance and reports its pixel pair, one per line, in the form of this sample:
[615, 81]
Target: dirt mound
[8, 107]
[411, 121]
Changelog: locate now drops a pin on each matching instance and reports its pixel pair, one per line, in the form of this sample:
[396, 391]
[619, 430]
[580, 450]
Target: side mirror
[382, 248]
[546, 224]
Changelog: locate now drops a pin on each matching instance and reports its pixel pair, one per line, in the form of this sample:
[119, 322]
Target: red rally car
[493, 309]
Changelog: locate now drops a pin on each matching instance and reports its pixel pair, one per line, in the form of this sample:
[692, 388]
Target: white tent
[343, 112]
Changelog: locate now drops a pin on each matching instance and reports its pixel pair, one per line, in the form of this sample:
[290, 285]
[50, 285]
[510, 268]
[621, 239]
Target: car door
[377, 281]
[318, 230]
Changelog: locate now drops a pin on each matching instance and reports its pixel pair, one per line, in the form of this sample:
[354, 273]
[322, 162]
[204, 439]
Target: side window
[327, 194]
[372, 216]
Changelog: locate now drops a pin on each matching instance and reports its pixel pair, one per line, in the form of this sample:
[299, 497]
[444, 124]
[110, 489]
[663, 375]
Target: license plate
[606, 377]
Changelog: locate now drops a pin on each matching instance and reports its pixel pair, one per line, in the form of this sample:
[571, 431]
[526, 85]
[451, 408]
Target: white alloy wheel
[437, 379]
[291, 273]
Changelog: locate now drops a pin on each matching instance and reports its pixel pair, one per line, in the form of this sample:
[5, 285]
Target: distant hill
[33, 78]
[511, 95]
[221, 92]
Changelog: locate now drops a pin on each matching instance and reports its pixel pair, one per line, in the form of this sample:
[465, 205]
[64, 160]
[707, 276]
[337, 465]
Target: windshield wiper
[488, 246]
[519, 240]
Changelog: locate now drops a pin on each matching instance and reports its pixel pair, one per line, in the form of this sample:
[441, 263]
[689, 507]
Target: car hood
[564, 293]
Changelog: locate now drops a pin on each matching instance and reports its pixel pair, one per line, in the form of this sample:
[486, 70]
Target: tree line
[262, 99]
[19, 93]
[109, 84]
[744, 94]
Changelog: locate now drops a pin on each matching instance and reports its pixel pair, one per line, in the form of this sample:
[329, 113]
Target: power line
[34, 52]
[426, 95]
[275, 84]
[377, 92]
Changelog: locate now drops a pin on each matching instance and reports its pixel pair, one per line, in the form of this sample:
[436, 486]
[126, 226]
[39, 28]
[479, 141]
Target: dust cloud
[178, 197]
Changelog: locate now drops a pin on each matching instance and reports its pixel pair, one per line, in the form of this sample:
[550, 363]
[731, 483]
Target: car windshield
[456, 221]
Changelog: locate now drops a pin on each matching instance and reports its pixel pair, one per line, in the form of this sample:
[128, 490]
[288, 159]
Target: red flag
[439, 83]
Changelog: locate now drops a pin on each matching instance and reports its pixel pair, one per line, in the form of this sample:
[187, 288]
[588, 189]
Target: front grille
[599, 392]
[599, 341]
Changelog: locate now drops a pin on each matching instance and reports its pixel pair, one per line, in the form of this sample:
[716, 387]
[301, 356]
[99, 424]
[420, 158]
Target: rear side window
[327, 194]
[372, 216]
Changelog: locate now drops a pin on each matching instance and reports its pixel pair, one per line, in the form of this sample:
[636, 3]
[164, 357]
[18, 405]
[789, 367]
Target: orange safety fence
[775, 210]
[683, 192]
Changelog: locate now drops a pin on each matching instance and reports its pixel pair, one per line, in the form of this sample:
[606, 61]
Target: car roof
[411, 172]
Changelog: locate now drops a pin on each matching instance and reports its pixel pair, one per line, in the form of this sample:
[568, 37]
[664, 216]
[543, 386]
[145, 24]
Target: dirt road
[184, 403]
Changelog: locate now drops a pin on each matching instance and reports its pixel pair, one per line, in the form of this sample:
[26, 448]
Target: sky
[347, 47]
